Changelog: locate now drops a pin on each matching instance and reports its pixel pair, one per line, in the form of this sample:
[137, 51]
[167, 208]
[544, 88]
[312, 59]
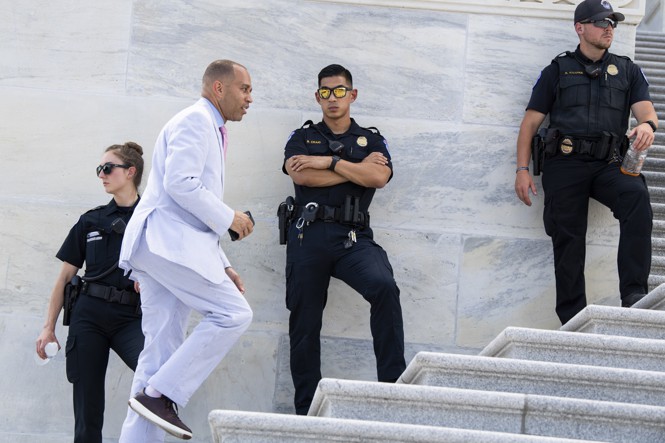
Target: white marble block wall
[446, 86]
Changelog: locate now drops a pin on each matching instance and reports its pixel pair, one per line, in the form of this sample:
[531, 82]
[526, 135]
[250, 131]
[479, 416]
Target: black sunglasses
[107, 168]
[604, 23]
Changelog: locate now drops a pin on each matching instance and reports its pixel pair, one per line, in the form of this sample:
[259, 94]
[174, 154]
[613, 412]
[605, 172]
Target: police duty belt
[313, 211]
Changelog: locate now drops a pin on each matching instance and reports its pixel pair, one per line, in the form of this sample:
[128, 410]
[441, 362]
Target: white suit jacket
[182, 208]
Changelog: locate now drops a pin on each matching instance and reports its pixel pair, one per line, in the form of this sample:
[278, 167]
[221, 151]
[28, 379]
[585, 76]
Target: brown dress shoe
[162, 412]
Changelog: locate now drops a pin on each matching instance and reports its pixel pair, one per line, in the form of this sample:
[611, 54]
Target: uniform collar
[353, 129]
[583, 58]
[112, 206]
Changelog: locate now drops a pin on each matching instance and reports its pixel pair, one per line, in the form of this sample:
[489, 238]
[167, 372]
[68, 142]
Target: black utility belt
[603, 148]
[111, 294]
[346, 215]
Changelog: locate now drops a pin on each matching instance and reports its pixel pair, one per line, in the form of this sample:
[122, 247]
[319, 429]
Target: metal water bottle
[633, 161]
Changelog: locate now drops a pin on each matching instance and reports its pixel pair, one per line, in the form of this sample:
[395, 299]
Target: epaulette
[373, 129]
[624, 56]
[95, 209]
[307, 124]
[563, 54]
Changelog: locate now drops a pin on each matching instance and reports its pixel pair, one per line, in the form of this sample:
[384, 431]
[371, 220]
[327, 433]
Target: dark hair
[335, 70]
[219, 69]
[131, 154]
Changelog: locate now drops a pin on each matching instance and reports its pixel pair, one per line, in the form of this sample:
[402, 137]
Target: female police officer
[106, 314]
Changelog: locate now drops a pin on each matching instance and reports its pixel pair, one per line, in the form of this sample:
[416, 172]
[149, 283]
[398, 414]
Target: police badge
[566, 146]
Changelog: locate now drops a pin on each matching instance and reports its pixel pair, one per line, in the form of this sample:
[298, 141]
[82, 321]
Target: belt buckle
[309, 213]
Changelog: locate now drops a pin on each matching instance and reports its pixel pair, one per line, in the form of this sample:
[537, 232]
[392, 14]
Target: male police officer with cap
[336, 167]
[589, 95]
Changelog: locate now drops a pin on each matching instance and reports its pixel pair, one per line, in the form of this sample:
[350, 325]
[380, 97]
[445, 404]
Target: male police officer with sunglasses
[336, 166]
[589, 95]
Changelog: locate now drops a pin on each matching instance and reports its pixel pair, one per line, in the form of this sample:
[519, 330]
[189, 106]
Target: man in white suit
[172, 247]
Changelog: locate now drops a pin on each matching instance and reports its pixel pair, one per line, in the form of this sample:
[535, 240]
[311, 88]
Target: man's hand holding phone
[242, 226]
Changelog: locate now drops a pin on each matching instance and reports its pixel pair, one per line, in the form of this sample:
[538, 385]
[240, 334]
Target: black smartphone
[234, 235]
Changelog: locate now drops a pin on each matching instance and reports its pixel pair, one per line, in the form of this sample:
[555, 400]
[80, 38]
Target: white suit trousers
[171, 364]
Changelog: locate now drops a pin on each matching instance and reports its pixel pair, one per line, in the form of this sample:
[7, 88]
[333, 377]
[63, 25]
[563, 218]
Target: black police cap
[596, 10]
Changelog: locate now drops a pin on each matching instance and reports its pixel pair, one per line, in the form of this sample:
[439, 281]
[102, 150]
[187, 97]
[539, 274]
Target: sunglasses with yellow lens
[338, 91]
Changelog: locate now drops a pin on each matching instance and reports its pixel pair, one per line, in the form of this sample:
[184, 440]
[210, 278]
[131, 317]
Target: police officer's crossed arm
[312, 170]
[523, 180]
[643, 134]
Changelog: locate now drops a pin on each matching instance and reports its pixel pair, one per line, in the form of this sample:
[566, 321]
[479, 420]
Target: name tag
[93, 236]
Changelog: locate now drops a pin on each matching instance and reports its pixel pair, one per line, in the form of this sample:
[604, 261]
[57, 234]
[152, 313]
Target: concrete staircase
[650, 55]
[601, 377]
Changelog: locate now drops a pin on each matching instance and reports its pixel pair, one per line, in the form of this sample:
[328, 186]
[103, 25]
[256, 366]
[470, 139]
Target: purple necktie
[225, 143]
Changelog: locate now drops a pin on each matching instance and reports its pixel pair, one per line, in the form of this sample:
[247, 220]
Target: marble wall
[447, 89]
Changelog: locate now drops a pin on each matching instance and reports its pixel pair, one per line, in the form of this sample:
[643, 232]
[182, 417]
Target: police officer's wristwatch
[335, 159]
[652, 124]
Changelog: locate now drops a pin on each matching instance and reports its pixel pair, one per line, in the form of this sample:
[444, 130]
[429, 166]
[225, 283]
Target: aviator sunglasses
[338, 91]
[107, 168]
[604, 23]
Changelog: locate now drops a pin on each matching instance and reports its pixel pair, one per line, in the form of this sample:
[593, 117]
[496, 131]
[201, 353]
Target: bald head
[222, 70]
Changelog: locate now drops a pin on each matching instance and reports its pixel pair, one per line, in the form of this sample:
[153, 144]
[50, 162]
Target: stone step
[649, 44]
[657, 261]
[578, 348]
[654, 300]
[657, 193]
[489, 411]
[654, 179]
[654, 163]
[649, 55]
[655, 80]
[609, 320]
[644, 37]
[658, 230]
[257, 427]
[656, 89]
[657, 149]
[652, 64]
[655, 280]
[658, 209]
[536, 377]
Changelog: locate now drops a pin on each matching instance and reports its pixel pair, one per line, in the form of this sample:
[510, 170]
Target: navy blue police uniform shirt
[92, 241]
[358, 143]
[544, 91]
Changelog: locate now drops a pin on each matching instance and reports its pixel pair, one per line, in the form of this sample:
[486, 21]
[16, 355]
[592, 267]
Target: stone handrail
[554, 9]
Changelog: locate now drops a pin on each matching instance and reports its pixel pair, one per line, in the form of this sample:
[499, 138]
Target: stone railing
[555, 9]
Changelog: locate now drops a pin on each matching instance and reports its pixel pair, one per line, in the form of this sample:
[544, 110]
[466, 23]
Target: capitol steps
[650, 55]
[505, 412]
[599, 378]
[254, 427]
